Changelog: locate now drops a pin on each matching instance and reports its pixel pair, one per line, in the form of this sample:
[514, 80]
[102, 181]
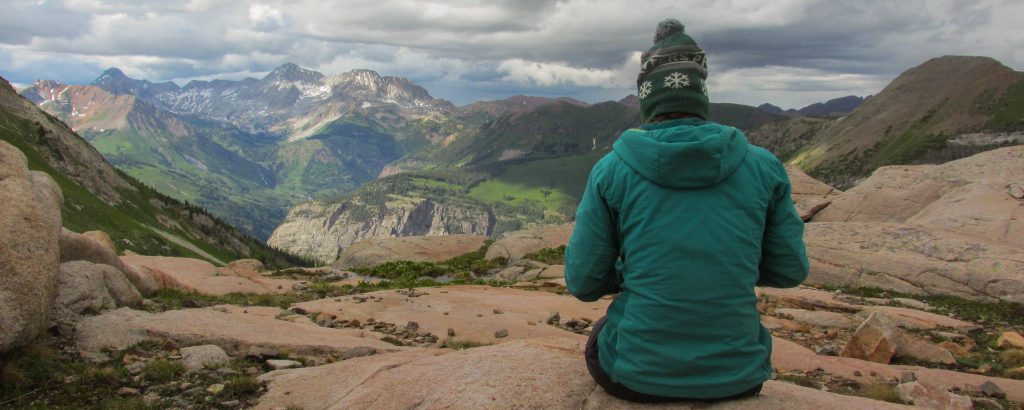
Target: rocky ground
[897, 313]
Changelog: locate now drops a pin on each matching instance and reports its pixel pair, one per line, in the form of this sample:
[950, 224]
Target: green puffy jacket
[683, 218]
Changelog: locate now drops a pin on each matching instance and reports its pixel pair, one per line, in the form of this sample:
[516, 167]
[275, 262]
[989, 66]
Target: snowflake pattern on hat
[677, 80]
[645, 89]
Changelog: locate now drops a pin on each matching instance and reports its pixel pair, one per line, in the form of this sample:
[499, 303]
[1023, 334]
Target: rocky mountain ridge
[912, 120]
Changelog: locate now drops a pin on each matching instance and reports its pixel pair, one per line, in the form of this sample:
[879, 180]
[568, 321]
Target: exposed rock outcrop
[974, 196]
[194, 275]
[372, 252]
[536, 373]
[809, 194]
[468, 310]
[514, 245]
[29, 231]
[239, 330]
[913, 259]
[322, 231]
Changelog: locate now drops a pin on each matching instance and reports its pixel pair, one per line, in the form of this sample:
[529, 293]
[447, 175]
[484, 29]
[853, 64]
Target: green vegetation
[550, 256]
[162, 370]
[241, 386]
[1007, 114]
[1001, 312]
[49, 375]
[463, 267]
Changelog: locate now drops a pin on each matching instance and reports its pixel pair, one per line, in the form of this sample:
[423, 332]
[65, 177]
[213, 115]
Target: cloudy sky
[788, 52]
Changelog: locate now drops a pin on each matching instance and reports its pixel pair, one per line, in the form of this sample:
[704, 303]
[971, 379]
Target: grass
[162, 370]
[241, 386]
[38, 376]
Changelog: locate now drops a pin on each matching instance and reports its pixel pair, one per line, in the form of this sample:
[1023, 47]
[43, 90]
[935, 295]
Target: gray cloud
[788, 52]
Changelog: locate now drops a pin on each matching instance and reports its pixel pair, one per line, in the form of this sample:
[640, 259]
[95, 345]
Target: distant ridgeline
[99, 197]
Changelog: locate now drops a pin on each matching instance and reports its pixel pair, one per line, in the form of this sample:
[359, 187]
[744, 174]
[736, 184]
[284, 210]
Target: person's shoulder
[763, 155]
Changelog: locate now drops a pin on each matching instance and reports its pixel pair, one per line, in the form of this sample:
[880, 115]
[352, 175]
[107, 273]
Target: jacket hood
[686, 153]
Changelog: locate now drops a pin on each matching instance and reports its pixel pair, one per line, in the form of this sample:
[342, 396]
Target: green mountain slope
[922, 116]
[99, 197]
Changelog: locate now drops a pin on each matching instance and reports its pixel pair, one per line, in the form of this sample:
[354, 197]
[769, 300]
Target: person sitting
[682, 219]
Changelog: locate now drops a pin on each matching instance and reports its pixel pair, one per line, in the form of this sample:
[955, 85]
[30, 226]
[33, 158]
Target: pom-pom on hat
[672, 74]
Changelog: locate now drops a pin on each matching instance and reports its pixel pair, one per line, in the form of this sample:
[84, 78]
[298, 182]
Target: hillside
[914, 118]
[99, 197]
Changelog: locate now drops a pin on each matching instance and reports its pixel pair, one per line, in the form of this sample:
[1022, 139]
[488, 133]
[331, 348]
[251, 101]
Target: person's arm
[593, 248]
[783, 255]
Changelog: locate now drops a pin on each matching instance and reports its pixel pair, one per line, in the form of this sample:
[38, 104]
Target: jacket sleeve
[783, 254]
[593, 248]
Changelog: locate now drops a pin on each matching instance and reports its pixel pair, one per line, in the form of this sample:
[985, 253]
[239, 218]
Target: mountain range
[248, 150]
[359, 155]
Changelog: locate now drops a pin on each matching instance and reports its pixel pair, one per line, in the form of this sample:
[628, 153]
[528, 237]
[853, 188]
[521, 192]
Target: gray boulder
[86, 287]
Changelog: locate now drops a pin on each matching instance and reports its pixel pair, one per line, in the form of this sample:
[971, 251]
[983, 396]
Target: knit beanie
[672, 74]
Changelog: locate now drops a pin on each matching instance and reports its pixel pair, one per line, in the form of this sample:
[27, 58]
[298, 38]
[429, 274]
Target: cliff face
[322, 231]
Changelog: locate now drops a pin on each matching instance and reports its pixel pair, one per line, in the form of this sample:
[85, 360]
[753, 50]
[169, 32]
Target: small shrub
[239, 386]
[881, 392]
[162, 370]
[1013, 358]
[550, 256]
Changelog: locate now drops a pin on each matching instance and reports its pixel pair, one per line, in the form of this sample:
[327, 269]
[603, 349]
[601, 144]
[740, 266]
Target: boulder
[932, 397]
[103, 239]
[975, 196]
[372, 252]
[809, 194]
[913, 347]
[876, 340]
[535, 373]
[89, 288]
[514, 245]
[196, 358]
[913, 259]
[81, 247]
[30, 256]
